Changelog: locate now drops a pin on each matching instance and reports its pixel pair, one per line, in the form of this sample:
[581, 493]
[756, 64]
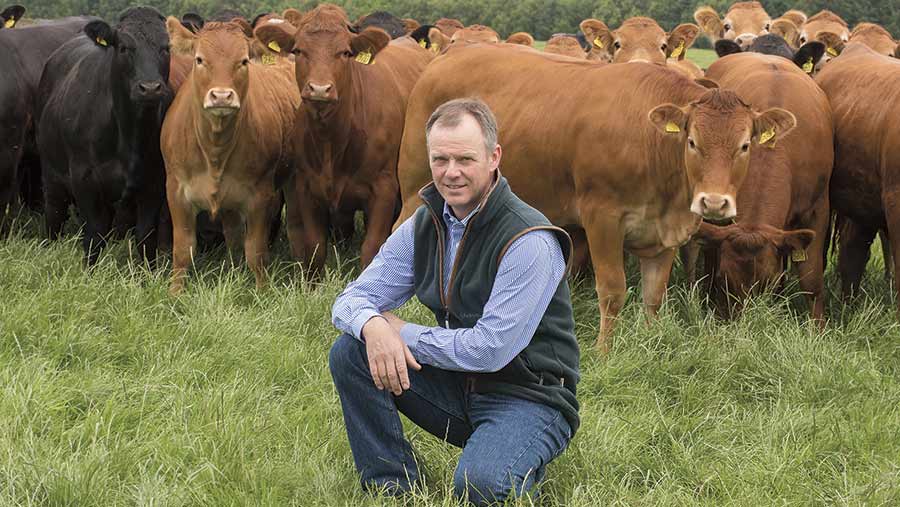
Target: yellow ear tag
[809, 66]
[677, 51]
[274, 47]
[102, 41]
[798, 255]
[422, 43]
[598, 43]
[364, 57]
[268, 59]
[435, 47]
[767, 136]
[831, 52]
[672, 128]
[11, 22]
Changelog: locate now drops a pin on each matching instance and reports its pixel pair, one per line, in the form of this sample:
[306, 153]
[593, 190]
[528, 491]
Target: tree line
[541, 18]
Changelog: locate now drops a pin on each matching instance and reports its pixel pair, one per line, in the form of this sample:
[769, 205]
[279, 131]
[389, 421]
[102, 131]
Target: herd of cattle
[790, 139]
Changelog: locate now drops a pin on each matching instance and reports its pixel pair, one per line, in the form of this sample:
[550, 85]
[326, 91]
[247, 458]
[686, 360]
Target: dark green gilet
[546, 371]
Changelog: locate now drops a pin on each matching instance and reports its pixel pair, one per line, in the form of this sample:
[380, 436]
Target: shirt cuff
[357, 324]
[411, 333]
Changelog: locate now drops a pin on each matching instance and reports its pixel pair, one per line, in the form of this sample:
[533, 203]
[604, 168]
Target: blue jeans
[507, 441]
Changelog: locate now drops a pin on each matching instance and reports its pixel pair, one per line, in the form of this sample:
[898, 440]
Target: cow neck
[217, 135]
[669, 179]
[135, 122]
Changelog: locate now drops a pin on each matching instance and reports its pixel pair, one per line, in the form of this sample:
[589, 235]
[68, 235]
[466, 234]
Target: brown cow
[783, 202]
[876, 37]
[566, 45]
[635, 155]
[865, 185]
[223, 139]
[824, 22]
[639, 39]
[449, 26]
[743, 22]
[347, 131]
[474, 34]
[411, 25]
[522, 38]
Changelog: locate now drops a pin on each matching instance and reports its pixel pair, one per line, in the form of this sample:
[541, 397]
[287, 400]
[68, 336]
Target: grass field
[113, 393]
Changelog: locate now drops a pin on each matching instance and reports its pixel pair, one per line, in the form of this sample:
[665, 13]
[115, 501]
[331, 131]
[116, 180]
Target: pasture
[113, 393]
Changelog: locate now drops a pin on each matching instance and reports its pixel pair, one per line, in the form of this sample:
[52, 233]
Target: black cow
[807, 57]
[394, 26]
[101, 103]
[23, 52]
[11, 15]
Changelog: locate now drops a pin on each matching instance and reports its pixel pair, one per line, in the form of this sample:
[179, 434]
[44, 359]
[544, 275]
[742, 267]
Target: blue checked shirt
[527, 278]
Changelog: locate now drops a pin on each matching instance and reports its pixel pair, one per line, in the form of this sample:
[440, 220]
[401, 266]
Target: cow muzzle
[744, 40]
[714, 207]
[221, 101]
[319, 92]
[149, 90]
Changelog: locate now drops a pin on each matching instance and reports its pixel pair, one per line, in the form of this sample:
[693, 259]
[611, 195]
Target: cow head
[139, 48]
[808, 57]
[449, 26]
[640, 39]
[750, 258]
[717, 132]
[474, 34]
[325, 52]
[743, 22]
[876, 37]
[11, 15]
[522, 38]
[564, 44]
[221, 53]
[825, 22]
[431, 38]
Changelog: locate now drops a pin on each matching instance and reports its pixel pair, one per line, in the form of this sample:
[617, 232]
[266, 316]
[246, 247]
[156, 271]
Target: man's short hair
[451, 113]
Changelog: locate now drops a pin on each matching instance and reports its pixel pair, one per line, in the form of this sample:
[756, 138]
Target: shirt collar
[450, 219]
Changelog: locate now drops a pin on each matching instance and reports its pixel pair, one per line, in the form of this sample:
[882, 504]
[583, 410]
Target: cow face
[221, 53]
[139, 48]
[751, 257]
[808, 57]
[325, 52]
[640, 40]
[743, 23]
[11, 15]
[825, 22]
[876, 38]
[717, 132]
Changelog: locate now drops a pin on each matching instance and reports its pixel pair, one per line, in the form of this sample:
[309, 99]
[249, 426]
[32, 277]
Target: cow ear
[897, 51]
[11, 15]
[725, 47]
[277, 38]
[246, 27]
[181, 38]
[410, 25]
[369, 41]
[102, 34]
[597, 34]
[192, 21]
[521, 38]
[787, 30]
[808, 56]
[669, 119]
[709, 22]
[680, 39]
[711, 235]
[834, 45]
[795, 16]
[771, 125]
[292, 16]
[707, 83]
[795, 241]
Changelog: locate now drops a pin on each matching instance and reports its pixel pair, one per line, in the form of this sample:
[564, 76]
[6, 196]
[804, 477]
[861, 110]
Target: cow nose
[221, 95]
[150, 86]
[714, 206]
[221, 98]
[744, 40]
[318, 91]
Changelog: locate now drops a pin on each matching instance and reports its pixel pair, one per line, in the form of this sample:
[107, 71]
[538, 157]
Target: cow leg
[256, 240]
[606, 242]
[380, 215]
[184, 235]
[307, 226]
[655, 273]
[854, 243]
[581, 254]
[146, 229]
[886, 254]
[690, 254]
[811, 272]
[8, 192]
[56, 208]
[890, 199]
[98, 218]
[233, 228]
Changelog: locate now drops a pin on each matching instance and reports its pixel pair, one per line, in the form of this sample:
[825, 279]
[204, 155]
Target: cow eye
[802, 40]
[766, 28]
[617, 44]
[664, 47]
[745, 147]
[296, 52]
[199, 60]
[691, 144]
[347, 54]
[727, 26]
[245, 62]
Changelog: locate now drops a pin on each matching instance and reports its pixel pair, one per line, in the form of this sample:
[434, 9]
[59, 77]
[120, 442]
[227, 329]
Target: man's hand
[388, 356]
[395, 321]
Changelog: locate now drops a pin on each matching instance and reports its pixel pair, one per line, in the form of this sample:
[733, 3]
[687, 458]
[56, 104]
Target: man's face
[461, 167]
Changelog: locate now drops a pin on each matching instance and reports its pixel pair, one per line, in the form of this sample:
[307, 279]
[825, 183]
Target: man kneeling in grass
[497, 377]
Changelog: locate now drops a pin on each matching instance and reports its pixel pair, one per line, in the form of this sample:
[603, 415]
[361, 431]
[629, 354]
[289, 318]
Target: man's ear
[597, 34]
[680, 39]
[276, 38]
[102, 34]
[369, 41]
[771, 125]
[725, 47]
[11, 15]
[709, 22]
[182, 39]
[669, 119]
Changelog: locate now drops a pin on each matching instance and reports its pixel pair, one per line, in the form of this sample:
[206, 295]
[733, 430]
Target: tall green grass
[113, 393]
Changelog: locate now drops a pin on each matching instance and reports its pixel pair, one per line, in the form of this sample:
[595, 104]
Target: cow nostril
[152, 86]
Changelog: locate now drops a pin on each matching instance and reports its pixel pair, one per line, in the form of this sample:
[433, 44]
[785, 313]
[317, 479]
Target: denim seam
[451, 413]
[529, 446]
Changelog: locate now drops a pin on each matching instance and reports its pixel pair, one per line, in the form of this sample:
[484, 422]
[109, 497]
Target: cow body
[783, 202]
[223, 158]
[593, 160]
[100, 103]
[865, 186]
[23, 52]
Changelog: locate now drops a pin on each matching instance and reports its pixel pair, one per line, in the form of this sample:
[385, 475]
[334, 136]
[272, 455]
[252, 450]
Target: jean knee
[344, 356]
[482, 484]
